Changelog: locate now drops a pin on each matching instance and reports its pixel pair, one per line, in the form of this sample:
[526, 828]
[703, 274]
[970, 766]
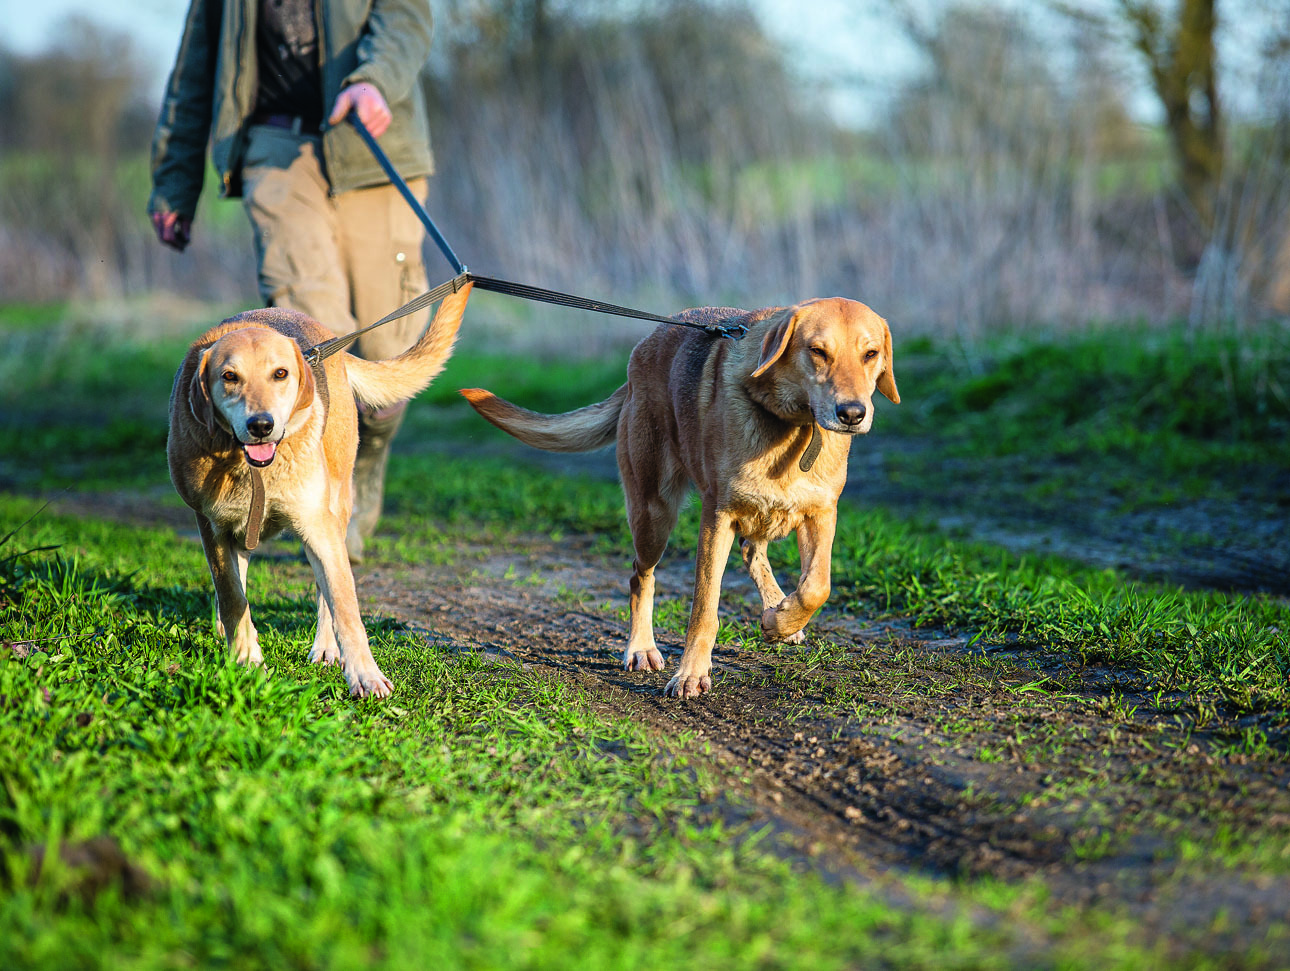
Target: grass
[1121, 391]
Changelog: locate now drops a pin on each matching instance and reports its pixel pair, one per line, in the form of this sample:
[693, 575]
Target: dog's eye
[280, 374]
[870, 355]
[229, 376]
[819, 353]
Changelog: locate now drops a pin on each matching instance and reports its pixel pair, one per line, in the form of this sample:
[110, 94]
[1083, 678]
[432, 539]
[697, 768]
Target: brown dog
[762, 426]
[245, 397]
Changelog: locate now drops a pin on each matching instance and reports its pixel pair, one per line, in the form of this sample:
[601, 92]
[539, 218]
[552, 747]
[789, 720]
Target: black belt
[298, 124]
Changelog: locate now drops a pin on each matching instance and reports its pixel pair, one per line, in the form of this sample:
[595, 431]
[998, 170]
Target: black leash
[522, 290]
[397, 181]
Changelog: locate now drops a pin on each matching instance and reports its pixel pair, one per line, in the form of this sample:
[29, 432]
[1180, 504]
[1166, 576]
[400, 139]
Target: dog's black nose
[261, 425]
[850, 412]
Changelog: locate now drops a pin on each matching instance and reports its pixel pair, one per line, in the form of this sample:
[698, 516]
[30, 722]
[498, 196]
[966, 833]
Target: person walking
[267, 84]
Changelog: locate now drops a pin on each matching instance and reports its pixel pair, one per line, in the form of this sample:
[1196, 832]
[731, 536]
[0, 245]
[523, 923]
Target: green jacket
[211, 94]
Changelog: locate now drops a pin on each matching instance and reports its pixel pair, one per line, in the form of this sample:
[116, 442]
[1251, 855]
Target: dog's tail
[575, 431]
[380, 384]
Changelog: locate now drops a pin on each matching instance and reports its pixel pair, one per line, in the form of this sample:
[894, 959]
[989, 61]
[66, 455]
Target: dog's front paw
[247, 653]
[649, 660]
[775, 629]
[324, 653]
[369, 683]
[688, 686]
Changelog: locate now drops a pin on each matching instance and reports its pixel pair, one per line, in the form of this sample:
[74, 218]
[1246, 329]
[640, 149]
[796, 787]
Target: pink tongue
[261, 453]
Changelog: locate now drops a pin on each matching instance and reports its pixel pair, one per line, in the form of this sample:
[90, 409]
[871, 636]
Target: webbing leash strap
[320, 352]
[585, 303]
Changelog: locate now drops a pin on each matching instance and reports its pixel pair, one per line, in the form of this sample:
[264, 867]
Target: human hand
[172, 229]
[370, 104]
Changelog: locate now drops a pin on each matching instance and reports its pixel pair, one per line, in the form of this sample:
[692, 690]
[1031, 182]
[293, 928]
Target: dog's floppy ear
[887, 380]
[776, 341]
[199, 395]
[305, 393]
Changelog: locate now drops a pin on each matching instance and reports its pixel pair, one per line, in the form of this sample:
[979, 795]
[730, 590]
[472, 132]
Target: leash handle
[397, 181]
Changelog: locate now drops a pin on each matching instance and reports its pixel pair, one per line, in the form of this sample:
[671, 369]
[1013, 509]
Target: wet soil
[874, 749]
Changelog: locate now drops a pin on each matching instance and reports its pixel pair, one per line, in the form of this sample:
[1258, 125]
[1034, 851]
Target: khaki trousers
[347, 260]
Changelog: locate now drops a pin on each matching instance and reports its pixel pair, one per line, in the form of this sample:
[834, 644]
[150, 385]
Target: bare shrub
[74, 177]
[674, 155]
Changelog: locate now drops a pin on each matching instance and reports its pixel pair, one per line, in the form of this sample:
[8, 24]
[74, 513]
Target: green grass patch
[1168, 400]
[1206, 644]
[29, 316]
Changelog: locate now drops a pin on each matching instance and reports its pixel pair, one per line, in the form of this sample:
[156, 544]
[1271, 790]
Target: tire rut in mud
[876, 750]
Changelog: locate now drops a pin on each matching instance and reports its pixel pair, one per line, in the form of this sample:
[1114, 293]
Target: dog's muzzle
[260, 453]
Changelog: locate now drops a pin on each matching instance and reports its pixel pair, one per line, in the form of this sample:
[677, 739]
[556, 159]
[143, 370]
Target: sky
[831, 25]
[837, 39]
[841, 40]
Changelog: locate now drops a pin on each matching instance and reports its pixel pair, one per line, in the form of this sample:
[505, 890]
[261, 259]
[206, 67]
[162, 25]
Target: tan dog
[245, 397]
[739, 420]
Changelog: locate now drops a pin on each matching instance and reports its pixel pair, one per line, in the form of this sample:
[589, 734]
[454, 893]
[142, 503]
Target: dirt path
[873, 750]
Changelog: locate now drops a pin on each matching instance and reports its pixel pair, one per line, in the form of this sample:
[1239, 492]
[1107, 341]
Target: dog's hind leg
[653, 504]
[716, 536]
[815, 542]
[228, 571]
[754, 554]
[652, 521]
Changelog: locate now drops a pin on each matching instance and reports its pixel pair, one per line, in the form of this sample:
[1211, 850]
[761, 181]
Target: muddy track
[901, 752]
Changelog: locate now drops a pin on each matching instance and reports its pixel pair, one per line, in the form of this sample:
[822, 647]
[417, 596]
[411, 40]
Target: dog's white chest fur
[768, 510]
